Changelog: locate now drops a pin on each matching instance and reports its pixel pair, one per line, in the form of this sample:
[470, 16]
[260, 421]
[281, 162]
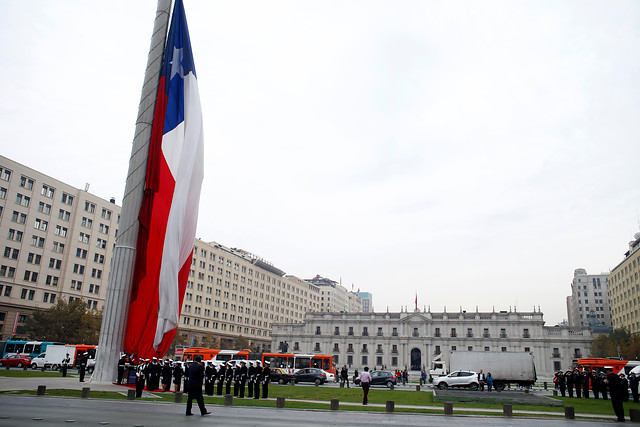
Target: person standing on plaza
[595, 384]
[482, 379]
[83, 365]
[209, 378]
[586, 377]
[344, 375]
[577, 382]
[614, 385]
[251, 373]
[177, 376]
[633, 383]
[121, 363]
[266, 374]
[365, 381]
[228, 378]
[243, 377]
[167, 373]
[196, 375]
[65, 364]
[624, 388]
[562, 383]
[569, 377]
[423, 377]
[355, 375]
[489, 382]
[140, 377]
[258, 380]
[222, 372]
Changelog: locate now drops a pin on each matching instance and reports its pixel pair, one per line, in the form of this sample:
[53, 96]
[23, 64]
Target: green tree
[70, 323]
[209, 341]
[240, 343]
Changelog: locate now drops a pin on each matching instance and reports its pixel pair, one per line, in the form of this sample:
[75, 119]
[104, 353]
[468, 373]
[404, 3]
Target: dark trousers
[197, 395]
[228, 387]
[120, 374]
[603, 390]
[616, 402]
[563, 390]
[64, 370]
[570, 390]
[585, 390]
[256, 390]
[241, 388]
[236, 388]
[139, 387]
[219, 393]
[265, 390]
[596, 391]
[208, 387]
[634, 393]
[82, 370]
[250, 389]
[177, 384]
[578, 390]
[365, 391]
[345, 380]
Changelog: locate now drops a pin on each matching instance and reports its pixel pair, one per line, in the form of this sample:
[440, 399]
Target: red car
[18, 360]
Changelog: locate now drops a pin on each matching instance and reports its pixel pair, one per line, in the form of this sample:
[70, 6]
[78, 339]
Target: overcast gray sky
[472, 152]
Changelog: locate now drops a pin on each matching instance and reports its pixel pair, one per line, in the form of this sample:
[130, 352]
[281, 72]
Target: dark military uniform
[177, 376]
[562, 383]
[258, 380]
[577, 382]
[140, 377]
[121, 364]
[586, 377]
[209, 379]
[603, 385]
[569, 377]
[615, 390]
[221, 374]
[83, 365]
[595, 384]
[243, 377]
[228, 378]
[633, 383]
[250, 379]
[266, 374]
[196, 375]
[167, 373]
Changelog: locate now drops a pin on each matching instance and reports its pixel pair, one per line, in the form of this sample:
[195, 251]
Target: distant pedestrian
[489, 382]
[482, 379]
[624, 388]
[365, 381]
[355, 375]
[633, 383]
[423, 377]
[405, 377]
[196, 376]
[65, 364]
[83, 365]
[344, 375]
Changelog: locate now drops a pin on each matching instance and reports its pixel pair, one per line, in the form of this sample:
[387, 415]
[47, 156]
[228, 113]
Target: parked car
[18, 360]
[309, 375]
[331, 378]
[462, 379]
[279, 376]
[380, 378]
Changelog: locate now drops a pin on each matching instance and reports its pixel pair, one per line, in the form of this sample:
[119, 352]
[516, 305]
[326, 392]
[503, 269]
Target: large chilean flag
[169, 211]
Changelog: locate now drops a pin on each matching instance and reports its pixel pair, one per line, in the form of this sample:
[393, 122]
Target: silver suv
[463, 379]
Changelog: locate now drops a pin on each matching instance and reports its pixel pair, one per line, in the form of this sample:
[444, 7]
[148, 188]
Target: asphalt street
[23, 411]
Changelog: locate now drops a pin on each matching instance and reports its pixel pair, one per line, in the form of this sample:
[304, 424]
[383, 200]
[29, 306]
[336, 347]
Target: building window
[470, 348]
[525, 333]
[365, 360]
[336, 331]
[453, 333]
[318, 330]
[394, 332]
[349, 360]
[26, 182]
[454, 348]
[47, 191]
[350, 330]
[437, 333]
[67, 199]
[486, 349]
[379, 332]
[503, 333]
[394, 361]
[365, 331]
[437, 350]
[469, 333]
[503, 349]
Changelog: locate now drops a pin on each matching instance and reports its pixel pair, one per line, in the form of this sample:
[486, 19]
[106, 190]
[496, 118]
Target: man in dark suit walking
[196, 375]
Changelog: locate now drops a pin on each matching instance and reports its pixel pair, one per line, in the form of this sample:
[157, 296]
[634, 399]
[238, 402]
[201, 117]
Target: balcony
[453, 335]
[379, 351]
[336, 332]
[415, 334]
[503, 335]
[577, 355]
[526, 336]
[364, 350]
[469, 335]
[394, 334]
[486, 335]
[350, 333]
[365, 333]
[350, 350]
[555, 354]
[379, 334]
[394, 351]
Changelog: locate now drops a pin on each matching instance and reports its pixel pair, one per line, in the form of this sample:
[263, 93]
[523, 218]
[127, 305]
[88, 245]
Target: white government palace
[411, 340]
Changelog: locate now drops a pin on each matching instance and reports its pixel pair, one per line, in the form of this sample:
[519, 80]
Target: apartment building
[334, 297]
[588, 304]
[57, 242]
[624, 289]
[233, 292]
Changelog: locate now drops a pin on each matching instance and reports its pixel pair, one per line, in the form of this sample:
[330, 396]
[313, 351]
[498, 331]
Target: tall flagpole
[124, 254]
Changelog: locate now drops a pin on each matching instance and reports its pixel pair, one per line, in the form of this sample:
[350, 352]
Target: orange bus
[218, 355]
[598, 364]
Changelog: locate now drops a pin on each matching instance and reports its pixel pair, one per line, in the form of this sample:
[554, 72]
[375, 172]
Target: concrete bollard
[507, 410]
[569, 413]
[42, 389]
[391, 406]
[634, 415]
[335, 404]
[341, 385]
[228, 400]
[448, 408]
[280, 402]
[85, 392]
[177, 398]
[292, 383]
[545, 385]
[417, 388]
[131, 394]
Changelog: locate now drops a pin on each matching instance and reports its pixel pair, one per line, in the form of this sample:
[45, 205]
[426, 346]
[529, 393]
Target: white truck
[53, 357]
[505, 367]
